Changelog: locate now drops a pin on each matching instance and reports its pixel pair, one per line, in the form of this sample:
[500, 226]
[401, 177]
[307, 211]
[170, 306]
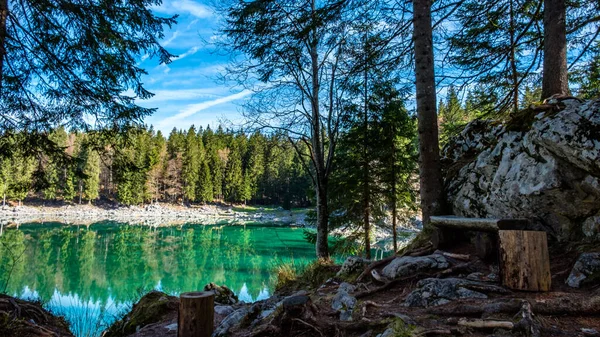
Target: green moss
[402, 329]
[291, 277]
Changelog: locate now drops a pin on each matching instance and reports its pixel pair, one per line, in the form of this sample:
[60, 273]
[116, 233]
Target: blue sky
[187, 90]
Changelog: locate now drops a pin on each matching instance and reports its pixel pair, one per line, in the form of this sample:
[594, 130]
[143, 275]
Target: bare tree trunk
[513, 60]
[429, 157]
[322, 247]
[394, 203]
[555, 80]
[366, 192]
[3, 35]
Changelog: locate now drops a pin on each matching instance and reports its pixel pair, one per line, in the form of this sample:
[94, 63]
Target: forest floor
[472, 303]
[155, 214]
[314, 303]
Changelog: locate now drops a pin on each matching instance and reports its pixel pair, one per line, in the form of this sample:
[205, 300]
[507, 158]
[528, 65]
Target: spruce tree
[191, 157]
[91, 172]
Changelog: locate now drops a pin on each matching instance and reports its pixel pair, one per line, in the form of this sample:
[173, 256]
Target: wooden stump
[524, 260]
[196, 314]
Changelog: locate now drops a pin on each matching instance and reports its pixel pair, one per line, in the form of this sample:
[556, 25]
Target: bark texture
[555, 80]
[429, 157]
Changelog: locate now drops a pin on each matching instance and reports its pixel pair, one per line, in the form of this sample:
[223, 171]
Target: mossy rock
[151, 308]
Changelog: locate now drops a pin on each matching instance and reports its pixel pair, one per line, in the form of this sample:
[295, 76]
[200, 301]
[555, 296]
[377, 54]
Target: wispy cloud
[185, 6]
[191, 51]
[193, 109]
[184, 94]
[169, 40]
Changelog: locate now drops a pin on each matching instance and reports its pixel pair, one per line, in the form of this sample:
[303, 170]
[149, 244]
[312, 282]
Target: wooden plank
[196, 314]
[479, 224]
[524, 260]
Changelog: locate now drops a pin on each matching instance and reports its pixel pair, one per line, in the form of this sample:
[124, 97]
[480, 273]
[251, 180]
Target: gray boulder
[344, 302]
[353, 265]
[408, 265]
[230, 321]
[433, 291]
[520, 170]
[585, 270]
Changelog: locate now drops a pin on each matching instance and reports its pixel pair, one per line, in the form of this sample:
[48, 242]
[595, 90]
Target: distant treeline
[141, 166]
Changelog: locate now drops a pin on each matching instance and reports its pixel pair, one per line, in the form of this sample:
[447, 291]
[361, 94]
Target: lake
[92, 274]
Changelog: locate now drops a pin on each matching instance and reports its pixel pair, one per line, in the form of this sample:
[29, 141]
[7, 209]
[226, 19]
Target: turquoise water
[92, 274]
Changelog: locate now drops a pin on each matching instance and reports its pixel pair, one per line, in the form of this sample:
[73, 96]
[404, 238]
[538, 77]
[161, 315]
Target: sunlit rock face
[545, 167]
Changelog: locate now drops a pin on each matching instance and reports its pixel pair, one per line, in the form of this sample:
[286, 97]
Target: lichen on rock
[497, 171]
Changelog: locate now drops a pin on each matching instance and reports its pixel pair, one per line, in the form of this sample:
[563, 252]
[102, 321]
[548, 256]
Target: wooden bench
[522, 254]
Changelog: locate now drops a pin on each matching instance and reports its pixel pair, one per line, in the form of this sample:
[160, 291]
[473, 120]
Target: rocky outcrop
[585, 270]
[541, 166]
[408, 265]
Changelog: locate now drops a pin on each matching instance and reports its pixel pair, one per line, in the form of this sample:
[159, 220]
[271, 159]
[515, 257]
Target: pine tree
[91, 171]
[189, 169]
[204, 187]
[22, 167]
[452, 116]
[497, 45]
[80, 58]
[5, 178]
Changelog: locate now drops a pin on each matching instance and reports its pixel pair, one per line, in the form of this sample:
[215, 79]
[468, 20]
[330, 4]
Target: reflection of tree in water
[12, 255]
[110, 260]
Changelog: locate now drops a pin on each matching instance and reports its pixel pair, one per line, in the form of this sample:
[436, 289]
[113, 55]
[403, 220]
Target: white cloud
[169, 40]
[191, 51]
[185, 7]
[193, 109]
[183, 94]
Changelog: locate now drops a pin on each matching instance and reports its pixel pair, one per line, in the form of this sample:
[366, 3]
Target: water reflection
[90, 274]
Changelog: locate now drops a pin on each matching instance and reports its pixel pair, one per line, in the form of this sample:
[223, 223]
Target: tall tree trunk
[322, 247]
[429, 157]
[3, 34]
[366, 191]
[555, 80]
[394, 199]
[513, 59]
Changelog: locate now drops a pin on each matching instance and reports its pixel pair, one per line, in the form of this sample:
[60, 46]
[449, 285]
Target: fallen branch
[463, 257]
[485, 324]
[430, 332]
[563, 305]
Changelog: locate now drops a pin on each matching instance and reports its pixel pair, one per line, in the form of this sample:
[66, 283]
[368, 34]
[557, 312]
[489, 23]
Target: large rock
[353, 265]
[230, 322]
[408, 265]
[585, 270]
[153, 307]
[545, 167]
[434, 291]
[344, 302]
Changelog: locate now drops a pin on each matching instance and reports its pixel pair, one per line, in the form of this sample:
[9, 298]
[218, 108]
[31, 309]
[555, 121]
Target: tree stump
[196, 314]
[524, 260]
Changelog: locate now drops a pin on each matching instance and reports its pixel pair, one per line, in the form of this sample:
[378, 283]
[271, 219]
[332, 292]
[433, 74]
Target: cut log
[196, 314]
[524, 260]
